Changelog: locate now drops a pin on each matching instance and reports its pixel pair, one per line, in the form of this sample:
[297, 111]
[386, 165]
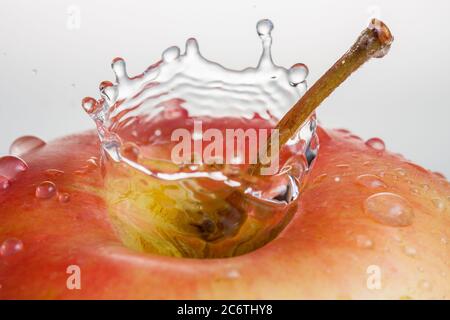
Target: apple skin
[317, 256]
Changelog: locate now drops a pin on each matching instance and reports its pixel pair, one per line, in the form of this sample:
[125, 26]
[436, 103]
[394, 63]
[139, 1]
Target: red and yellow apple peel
[363, 207]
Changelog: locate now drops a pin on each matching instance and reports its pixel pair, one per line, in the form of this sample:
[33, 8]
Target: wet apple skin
[316, 256]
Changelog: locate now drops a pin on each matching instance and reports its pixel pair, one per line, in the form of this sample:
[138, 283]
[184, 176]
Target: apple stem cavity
[374, 42]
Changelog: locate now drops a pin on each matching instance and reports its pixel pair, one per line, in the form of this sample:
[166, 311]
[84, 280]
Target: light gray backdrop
[53, 53]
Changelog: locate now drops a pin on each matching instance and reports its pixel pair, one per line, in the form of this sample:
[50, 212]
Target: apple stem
[374, 42]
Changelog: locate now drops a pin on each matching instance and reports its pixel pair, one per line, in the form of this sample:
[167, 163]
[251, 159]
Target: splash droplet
[201, 86]
[171, 54]
[264, 27]
[25, 144]
[120, 69]
[389, 209]
[11, 166]
[107, 89]
[370, 181]
[376, 144]
[297, 73]
[89, 104]
[45, 190]
[10, 247]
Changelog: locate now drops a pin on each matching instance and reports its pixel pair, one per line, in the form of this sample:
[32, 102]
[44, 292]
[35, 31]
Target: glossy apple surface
[363, 209]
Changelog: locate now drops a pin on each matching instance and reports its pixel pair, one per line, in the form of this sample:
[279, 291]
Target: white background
[47, 67]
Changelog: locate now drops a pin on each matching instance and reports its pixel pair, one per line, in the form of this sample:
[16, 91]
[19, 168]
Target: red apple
[365, 212]
[369, 223]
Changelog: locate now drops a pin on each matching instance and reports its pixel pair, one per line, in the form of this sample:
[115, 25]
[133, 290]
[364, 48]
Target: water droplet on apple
[91, 165]
[10, 247]
[389, 209]
[92, 162]
[364, 242]
[354, 136]
[400, 172]
[370, 181]
[11, 166]
[342, 130]
[4, 183]
[337, 179]
[439, 204]
[440, 175]
[233, 274]
[320, 178]
[376, 144]
[54, 173]
[45, 190]
[25, 144]
[342, 166]
[297, 73]
[64, 197]
[410, 251]
[416, 166]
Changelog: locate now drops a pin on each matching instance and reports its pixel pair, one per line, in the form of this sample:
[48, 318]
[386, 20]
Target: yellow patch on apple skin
[183, 219]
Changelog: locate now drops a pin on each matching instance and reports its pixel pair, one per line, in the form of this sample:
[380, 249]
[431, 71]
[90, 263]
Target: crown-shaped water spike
[203, 88]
